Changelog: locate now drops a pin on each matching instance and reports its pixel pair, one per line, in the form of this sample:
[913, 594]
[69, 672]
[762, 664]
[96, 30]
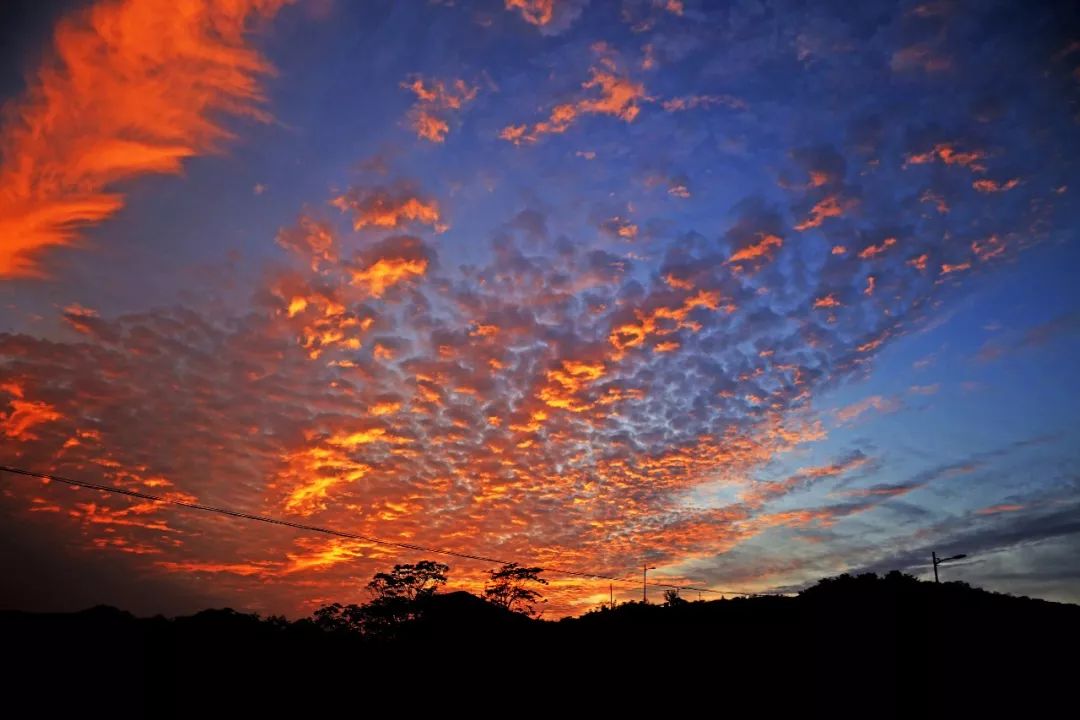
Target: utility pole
[933, 557]
[645, 568]
[611, 595]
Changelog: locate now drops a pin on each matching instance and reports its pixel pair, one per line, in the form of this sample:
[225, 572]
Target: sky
[753, 292]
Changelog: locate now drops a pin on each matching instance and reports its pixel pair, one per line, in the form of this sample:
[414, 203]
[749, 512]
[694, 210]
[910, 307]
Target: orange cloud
[875, 402]
[663, 320]
[875, 250]
[620, 227]
[435, 100]
[948, 154]
[310, 473]
[678, 283]
[80, 318]
[24, 414]
[947, 268]
[919, 263]
[389, 263]
[319, 555]
[820, 517]
[988, 249]
[321, 317]
[619, 96]
[565, 383]
[113, 102]
[763, 248]
[387, 272]
[929, 196]
[991, 186]
[874, 344]
[312, 240]
[384, 408]
[389, 208]
[516, 134]
[534, 12]
[615, 95]
[679, 190]
[826, 208]
[549, 16]
[243, 569]
[828, 301]
[428, 126]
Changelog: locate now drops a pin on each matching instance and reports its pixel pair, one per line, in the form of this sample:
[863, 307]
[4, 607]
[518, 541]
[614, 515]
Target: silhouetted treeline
[863, 646]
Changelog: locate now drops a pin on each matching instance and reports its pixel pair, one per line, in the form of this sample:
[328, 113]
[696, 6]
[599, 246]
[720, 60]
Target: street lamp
[937, 561]
[645, 568]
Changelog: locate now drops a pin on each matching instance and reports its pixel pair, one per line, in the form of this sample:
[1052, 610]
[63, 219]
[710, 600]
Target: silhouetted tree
[399, 595]
[340, 617]
[278, 622]
[409, 582]
[672, 598]
[508, 588]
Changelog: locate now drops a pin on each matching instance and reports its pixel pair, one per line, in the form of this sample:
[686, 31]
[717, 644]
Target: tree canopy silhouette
[508, 587]
[672, 598]
[409, 582]
[399, 595]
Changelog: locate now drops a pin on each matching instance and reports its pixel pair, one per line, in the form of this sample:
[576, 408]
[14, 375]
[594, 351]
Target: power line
[337, 533]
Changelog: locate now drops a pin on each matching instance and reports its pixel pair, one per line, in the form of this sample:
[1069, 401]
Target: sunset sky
[755, 292]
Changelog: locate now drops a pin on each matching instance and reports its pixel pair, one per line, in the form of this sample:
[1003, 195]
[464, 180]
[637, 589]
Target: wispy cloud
[114, 101]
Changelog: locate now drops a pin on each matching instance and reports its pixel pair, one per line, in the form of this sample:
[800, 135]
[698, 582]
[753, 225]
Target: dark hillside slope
[907, 648]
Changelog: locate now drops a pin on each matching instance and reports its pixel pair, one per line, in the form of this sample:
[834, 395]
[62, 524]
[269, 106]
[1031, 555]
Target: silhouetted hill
[867, 646]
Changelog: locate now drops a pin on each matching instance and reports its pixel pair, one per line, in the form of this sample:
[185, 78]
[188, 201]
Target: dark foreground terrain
[850, 646]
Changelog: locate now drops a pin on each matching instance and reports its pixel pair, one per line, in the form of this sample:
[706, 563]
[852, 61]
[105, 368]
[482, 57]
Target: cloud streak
[115, 101]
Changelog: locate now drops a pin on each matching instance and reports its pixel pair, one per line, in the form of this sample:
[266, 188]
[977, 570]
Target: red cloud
[24, 414]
